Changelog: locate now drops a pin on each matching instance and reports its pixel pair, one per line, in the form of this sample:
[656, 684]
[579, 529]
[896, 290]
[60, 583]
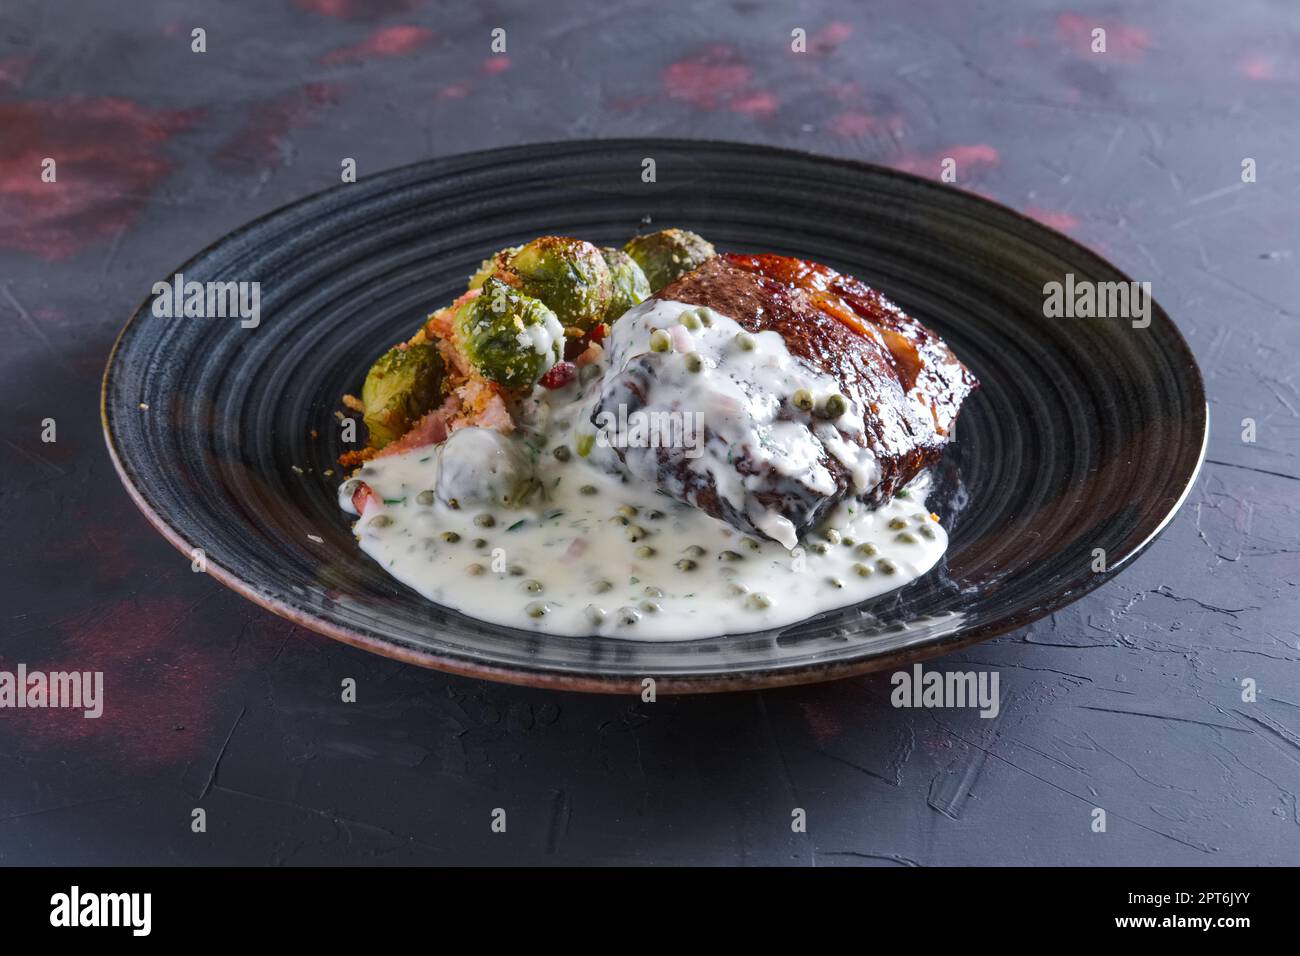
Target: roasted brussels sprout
[569, 275]
[509, 337]
[668, 254]
[628, 283]
[481, 466]
[400, 387]
[497, 263]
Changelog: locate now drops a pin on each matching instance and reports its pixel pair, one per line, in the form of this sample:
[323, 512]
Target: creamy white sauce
[596, 548]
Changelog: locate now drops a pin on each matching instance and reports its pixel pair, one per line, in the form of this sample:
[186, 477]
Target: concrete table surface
[1130, 700]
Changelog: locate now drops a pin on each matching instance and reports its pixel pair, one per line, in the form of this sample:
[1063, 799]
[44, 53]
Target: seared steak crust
[902, 380]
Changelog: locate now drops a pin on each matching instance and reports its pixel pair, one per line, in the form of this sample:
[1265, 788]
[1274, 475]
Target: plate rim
[740, 680]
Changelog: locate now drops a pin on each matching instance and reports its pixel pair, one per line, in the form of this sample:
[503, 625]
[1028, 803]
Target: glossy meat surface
[903, 384]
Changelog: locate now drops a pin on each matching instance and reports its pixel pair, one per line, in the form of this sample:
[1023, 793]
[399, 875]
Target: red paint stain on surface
[708, 79]
[853, 124]
[496, 64]
[970, 159]
[1057, 219]
[262, 141]
[823, 723]
[13, 69]
[154, 682]
[357, 9]
[717, 78]
[829, 37]
[384, 42]
[759, 104]
[109, 160]
[1257, 67]
[455, 91]
[1124, 42]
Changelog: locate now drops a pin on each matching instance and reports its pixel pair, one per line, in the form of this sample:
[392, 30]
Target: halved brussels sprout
[569, 275]
[628, 283]
[669, 254]
[400, 387]
[509, 337]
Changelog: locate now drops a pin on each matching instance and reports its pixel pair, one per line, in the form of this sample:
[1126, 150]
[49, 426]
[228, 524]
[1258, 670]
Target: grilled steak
[767, 463]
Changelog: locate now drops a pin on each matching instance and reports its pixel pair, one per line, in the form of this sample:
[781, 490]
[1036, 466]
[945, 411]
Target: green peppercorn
[628, 511]
[897, 524]
[834, 406]
[759, 601]
[562, 453]
[867, 550]
[694, 363]
[803, 400]
[485, 520]
[532, 587]
[730, 556]
[886, 566]
[694, 551]
[587, 490]
[635, 532]
[380, 521]
[451, 537]
[538, 609]
[686, 564]
[645, 551]
[585, 443]
[424, 498]
[476, 569]
[691, 320]
[745, 342]
[660, 341]
[905, 537]
[600, 586]
[862, 570]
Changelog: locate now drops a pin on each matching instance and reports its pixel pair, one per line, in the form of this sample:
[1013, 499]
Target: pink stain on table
[1124, 42]
[717, 78]
[108, 162]
[854, 124]
[262, 140]
[13, 69]
[969, 160]
[154, 682]
[829, 37]
[384, 42]
[1057, 219]
[1265, 68]
[496, 64]
[357, 9]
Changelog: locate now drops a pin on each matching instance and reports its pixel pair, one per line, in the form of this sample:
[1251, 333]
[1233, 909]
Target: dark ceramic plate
[1087, 433]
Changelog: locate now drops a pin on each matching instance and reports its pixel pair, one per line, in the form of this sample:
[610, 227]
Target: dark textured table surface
[1130, 700]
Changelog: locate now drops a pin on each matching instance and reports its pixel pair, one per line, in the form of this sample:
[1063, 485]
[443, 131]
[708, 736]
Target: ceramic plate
[1082, 442]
